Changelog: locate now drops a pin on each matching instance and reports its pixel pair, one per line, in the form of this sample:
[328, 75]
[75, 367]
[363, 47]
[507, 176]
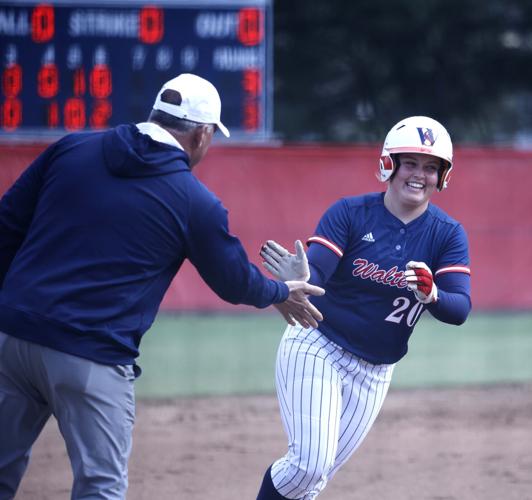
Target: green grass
[209, 354]
[488, 348]
[216, 354]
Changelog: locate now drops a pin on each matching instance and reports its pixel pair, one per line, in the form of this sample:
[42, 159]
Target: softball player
[383, 259]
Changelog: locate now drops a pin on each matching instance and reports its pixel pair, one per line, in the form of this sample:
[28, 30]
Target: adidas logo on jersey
[368, 237]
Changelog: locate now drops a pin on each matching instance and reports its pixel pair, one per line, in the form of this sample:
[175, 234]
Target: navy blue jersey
[367, 308]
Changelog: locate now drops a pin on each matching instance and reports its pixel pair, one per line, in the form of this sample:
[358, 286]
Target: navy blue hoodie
[93, 232]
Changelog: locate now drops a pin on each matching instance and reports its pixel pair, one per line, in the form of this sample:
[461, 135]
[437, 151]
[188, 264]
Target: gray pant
[94, 406]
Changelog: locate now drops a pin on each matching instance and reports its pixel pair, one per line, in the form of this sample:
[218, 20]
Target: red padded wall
[280, 193]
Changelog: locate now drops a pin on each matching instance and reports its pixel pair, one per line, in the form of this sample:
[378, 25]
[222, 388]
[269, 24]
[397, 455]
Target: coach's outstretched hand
[298, 308]
[284, 265]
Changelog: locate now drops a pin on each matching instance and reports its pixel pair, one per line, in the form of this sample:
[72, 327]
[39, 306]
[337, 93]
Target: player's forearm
[322, 264]
[316, 276]
[451, 308]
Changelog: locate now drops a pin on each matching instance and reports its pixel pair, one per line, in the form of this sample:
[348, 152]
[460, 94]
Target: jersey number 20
[402, 304]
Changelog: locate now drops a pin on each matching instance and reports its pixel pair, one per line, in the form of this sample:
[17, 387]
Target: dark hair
[396, 164]
[167, 120]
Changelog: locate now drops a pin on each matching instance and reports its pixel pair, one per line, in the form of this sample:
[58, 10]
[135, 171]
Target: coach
[91, 235]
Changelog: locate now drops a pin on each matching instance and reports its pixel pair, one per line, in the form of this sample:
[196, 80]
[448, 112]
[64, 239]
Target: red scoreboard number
[48, 81]
[11, 114]
[42, 23]
[252, 85]
[250, 26]
[12, 80]
[151, 29]
[11, 87]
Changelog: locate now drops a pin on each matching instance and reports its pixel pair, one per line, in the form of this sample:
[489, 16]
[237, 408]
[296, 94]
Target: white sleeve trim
[327, 243]
[453, 269]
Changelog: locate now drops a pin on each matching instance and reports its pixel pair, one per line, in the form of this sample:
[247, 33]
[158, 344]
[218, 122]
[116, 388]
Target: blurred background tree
[346, 70]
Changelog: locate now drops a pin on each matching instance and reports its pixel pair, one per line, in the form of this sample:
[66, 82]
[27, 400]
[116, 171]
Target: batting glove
[420, 281]
[284, 265]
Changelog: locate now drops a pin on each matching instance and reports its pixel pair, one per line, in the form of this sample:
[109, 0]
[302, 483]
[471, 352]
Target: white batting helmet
[417, 134]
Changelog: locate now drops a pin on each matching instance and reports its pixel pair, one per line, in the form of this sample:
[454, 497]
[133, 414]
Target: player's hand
[284, 265]
[298, 308]
[420, 281]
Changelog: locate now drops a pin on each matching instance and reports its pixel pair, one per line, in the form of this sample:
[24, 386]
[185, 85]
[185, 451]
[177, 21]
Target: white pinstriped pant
[329, 399]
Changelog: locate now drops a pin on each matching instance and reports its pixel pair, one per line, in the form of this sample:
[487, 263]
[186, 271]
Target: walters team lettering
[369, 270]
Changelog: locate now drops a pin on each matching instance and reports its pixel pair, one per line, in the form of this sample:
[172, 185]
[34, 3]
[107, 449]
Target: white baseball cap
[200, 101]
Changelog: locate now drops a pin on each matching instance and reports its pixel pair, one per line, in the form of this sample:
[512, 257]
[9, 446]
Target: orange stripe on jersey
[453, 269]
[327, 243]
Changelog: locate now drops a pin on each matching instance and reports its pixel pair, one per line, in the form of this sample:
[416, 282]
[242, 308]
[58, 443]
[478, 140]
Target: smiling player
[383, 259]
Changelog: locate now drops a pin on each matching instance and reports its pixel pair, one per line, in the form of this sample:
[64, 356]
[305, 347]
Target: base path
[452, 444]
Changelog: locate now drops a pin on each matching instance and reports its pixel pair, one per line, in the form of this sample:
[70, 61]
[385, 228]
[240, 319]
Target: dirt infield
[440, 444]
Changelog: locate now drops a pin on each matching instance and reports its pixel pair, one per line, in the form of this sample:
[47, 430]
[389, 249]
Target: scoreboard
[69, 65]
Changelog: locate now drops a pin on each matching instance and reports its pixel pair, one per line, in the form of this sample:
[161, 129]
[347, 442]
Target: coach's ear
[200, 141]
[203, 135]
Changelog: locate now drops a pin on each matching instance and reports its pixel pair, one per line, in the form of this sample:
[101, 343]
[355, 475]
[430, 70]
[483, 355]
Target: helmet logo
[426, 136]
